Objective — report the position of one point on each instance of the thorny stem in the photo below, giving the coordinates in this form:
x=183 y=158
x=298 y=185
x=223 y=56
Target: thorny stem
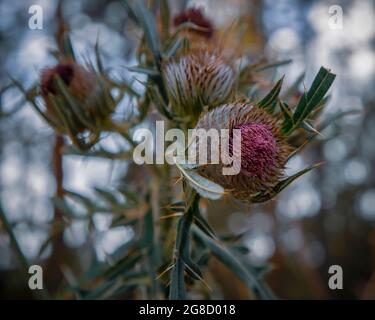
x=182 y=247
x=154 y=253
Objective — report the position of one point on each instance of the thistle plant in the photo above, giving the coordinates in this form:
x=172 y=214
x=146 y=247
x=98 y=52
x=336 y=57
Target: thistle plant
x=188 y=85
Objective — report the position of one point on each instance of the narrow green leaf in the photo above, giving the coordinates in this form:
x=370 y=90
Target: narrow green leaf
x=157 y=98
x=293 y=89
x=98 y=57
x=288 y=116
x=68 y=47
x=144 y=70
x=193 y=269
x=130 y=285
x=73 y=105
x=309 y=127
x=270 y=100
x=173 y=47
x=107 y=196
x=270 y=65
x=66 y=209
x=309 y=101
x=146 y=20
x=104 y=290
x=281 y=186
x=234 y=264
x=123 y=266
x=85 y=201
x=202 y=223
x=165 y=17
x=122 y=221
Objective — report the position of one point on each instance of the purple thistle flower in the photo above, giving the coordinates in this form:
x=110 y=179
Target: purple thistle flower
x=264 y=150
x=258 y=149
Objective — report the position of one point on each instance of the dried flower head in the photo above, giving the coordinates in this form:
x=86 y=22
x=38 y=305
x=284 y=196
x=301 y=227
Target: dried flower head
x=76 y=98
x=263 y=148
x=79 y=81
x=197 y=17
x=198 y=79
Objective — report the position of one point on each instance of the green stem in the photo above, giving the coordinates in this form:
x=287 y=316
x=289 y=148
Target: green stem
x=182 y=248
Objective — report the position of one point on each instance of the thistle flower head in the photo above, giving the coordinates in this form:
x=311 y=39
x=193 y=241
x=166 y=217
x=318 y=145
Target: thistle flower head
x=196 y=16
x=64 y=70
x=74 y=97
x=198 y=79
x=258 y=149
x=78 y=80
x=263 y=148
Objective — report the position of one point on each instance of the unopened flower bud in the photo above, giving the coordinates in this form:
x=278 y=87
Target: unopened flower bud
x=76 y=102
x=79 y=81
x=198 y=79
x=197 y=17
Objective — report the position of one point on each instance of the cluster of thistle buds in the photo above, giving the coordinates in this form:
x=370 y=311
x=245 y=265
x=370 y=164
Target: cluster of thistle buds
x=201 y=86
x=199 y=82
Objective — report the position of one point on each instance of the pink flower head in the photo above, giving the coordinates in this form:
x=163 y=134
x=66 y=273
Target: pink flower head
x=264 y=150
x=258 y=149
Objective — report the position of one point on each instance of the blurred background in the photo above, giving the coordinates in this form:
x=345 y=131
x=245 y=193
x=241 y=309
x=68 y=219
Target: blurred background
x=325 y=218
